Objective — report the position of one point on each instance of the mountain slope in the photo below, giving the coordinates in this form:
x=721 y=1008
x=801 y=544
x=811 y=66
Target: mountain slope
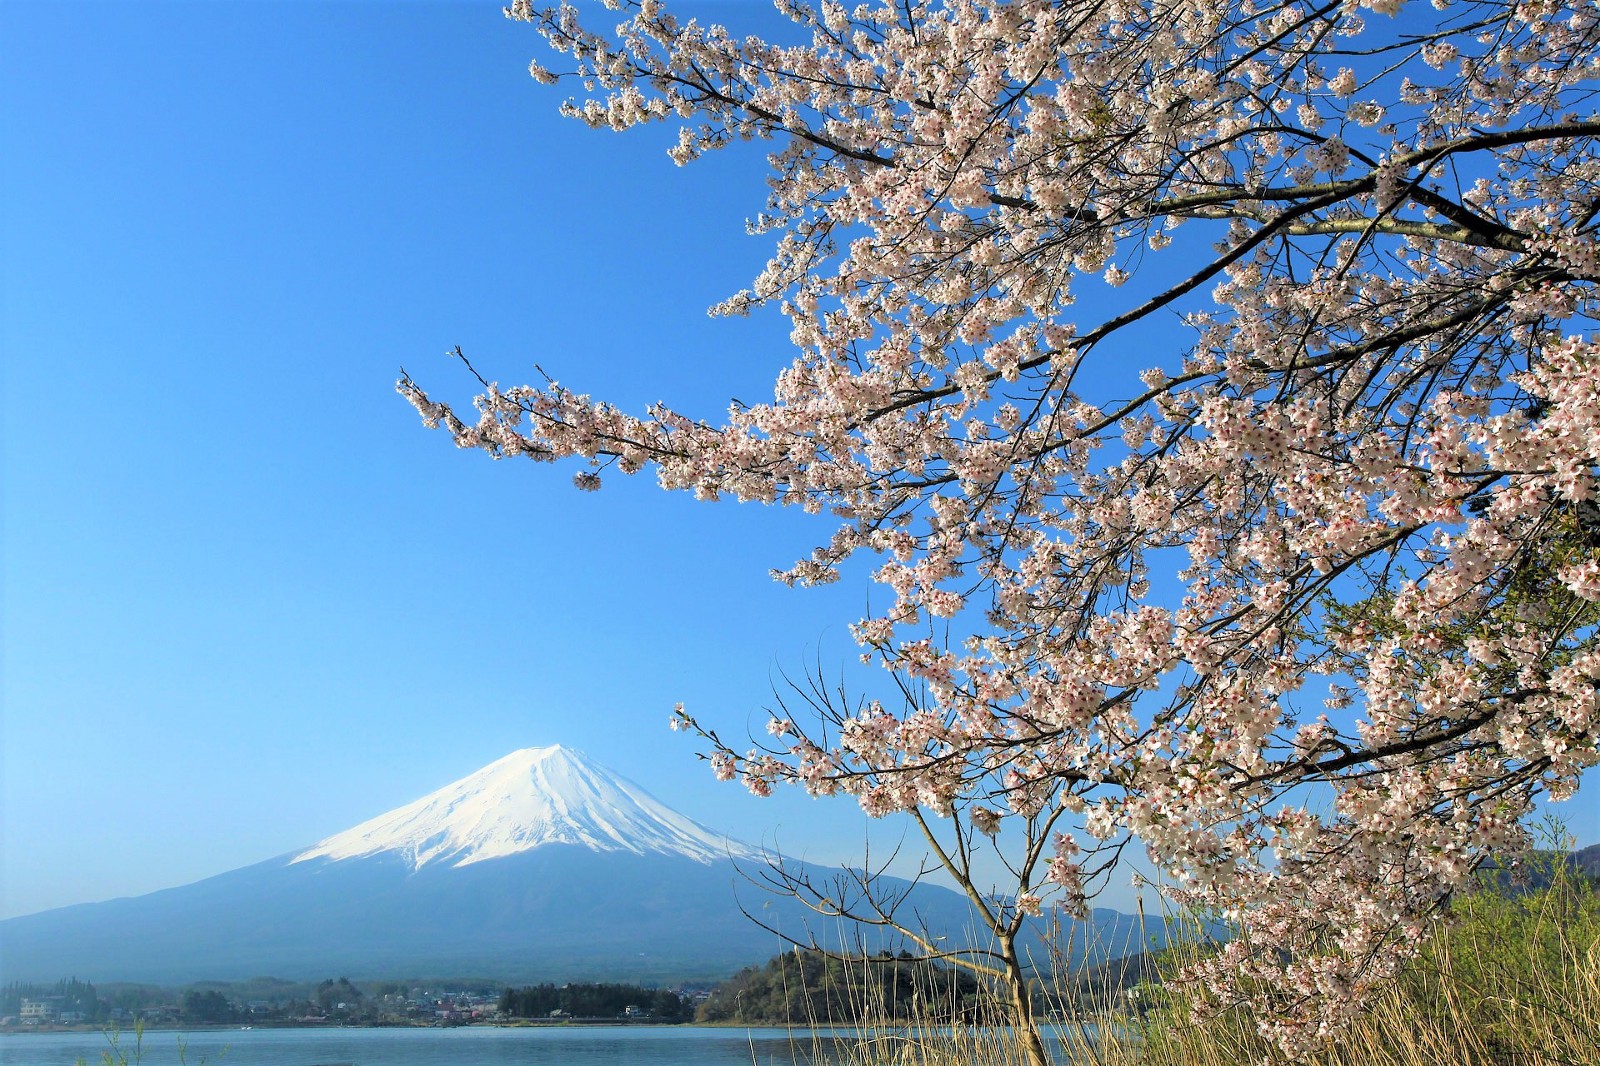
x=558 y=912
x=541 y=866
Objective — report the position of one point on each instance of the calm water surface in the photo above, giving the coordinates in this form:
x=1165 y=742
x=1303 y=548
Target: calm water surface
x=555 y=1046
x=534 y=1046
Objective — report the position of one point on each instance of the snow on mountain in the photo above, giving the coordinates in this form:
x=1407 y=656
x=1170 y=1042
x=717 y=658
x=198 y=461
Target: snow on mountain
x=462 y=882
x=530 y=798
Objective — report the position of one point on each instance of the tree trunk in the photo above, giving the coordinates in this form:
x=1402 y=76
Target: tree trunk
x=1021 y=1007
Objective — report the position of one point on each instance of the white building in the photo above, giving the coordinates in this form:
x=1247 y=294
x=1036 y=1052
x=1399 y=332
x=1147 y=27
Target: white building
x=40 y=1011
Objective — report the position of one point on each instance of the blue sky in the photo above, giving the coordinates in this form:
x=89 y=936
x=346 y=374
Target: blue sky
x=249 y=601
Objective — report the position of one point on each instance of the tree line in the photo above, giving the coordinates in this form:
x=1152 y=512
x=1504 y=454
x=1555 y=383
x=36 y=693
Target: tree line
x=803 y=987
x=595 y=1001
x=75 y=995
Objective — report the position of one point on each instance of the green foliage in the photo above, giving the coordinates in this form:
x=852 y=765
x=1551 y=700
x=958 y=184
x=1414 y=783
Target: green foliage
x=1530 y=592
x=594 y=1001
x=809 y=988
x=124 y=996
x=331 y=993
x=206 y=1007
x=1510 y=976
x=1514 y=960
x=1099 y=982
x=121 y=1052
x=73 y=995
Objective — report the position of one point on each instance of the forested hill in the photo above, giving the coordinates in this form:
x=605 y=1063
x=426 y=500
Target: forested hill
x=808 y=988
x=595 y=1001
x=70 y=994
x=1537 y=868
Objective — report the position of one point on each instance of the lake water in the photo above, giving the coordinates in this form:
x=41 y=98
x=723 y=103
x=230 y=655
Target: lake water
x=476 y=1046
x=567 y=1045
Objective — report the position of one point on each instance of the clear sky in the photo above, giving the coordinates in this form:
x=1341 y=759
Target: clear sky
x=249 y=600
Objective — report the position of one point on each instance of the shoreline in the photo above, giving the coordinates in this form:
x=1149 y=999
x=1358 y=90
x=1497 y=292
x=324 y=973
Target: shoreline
x=520 y=1023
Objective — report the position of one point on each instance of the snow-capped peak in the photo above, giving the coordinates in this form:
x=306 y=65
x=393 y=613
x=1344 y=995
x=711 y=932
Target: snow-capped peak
x=530 y=798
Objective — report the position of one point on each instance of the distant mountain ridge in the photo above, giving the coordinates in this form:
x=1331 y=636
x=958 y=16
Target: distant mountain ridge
x=540 y=866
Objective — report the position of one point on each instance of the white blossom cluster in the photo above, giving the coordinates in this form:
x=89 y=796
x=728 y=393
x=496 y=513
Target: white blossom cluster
x=1373 y=456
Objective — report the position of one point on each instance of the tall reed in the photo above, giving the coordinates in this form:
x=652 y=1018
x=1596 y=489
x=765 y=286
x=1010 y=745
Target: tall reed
x=1511 y=978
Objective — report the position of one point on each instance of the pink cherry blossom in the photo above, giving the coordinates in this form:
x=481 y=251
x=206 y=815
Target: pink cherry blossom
x=1342 y=445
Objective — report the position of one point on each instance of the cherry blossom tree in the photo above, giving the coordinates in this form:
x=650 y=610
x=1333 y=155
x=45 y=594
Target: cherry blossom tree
x=1181 y=367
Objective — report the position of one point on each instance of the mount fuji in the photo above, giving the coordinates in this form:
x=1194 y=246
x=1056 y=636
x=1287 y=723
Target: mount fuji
x=540 y=866
x=530 y=799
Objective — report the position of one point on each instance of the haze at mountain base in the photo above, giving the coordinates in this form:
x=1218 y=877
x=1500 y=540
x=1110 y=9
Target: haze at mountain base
x=541 y=866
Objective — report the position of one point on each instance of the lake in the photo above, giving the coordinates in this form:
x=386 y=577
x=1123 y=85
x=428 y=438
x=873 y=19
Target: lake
x=566 y=1045
x=476 y=1046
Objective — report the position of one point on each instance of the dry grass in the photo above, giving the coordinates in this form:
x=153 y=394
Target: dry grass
x=1512 y=980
